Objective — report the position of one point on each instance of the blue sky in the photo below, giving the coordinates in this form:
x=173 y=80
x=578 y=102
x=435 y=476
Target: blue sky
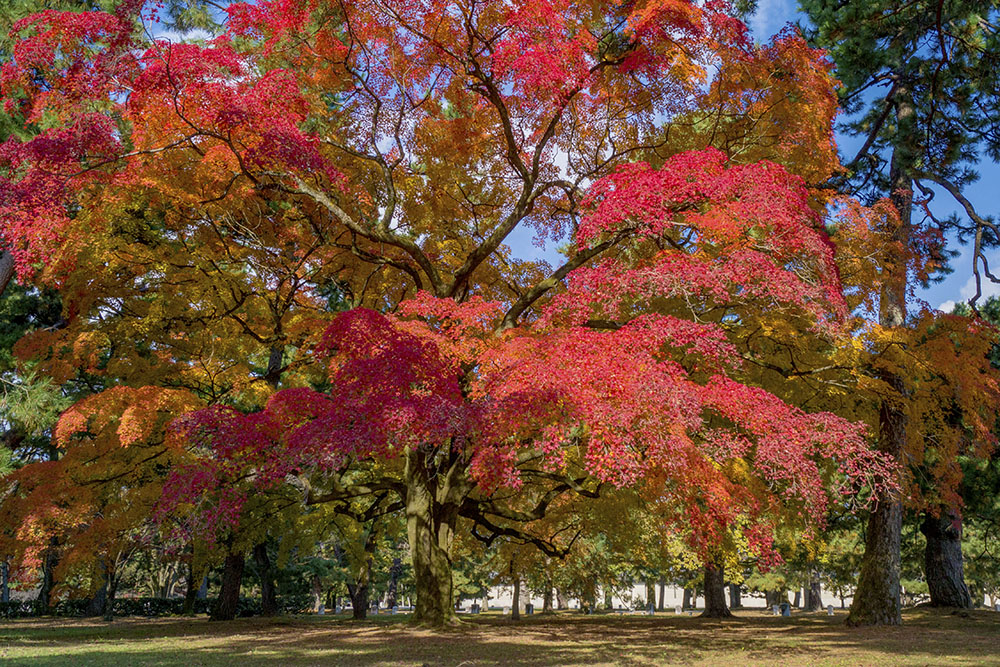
x=771 y=16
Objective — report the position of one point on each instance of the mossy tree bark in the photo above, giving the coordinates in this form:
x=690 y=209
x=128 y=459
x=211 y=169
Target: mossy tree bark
x=436 y=485
x=943 y=566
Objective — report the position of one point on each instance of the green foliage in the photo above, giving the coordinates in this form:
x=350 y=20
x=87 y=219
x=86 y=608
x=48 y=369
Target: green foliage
x=920 y=89
x=31 y=403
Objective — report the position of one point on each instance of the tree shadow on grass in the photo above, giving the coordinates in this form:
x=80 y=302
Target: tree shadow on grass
x=750 y=638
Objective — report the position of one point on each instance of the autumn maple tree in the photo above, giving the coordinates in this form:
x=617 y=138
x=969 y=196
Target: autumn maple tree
x=208 y=199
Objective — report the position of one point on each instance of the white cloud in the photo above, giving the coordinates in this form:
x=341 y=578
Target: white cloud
x=968 y=290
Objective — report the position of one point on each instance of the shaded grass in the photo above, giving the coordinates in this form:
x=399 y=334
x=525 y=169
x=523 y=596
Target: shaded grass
x=927 y=637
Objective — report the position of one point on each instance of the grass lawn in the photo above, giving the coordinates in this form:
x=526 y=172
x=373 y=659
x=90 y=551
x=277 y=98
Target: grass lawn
x=927 y=637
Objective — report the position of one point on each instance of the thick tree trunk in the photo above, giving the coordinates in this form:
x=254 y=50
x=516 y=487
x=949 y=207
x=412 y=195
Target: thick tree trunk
x=268 y=597
x=943 y=560
x=650 y=594
x=359 y=589
x=663 y=594
x=547 y=597
x=686 y=602
x=229 y=596
x=797 y=602
x=876 y=600
x=98 y=603
x=734 y=597
x=715 y=593
x=359 y=595
x=814 y=594
x=435 y=487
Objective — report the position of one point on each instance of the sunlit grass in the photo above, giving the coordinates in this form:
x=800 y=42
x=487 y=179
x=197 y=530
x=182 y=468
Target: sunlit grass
x=927 y=637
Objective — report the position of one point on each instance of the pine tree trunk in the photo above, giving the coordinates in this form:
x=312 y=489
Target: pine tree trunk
x=877 y=598
x=229 y=596
x=435 y=487
x=734 y=597
x=715 y=593
x=268 y=597
x=943 y=566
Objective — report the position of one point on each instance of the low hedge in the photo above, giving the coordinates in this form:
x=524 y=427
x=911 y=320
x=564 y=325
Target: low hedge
x=153 y=607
